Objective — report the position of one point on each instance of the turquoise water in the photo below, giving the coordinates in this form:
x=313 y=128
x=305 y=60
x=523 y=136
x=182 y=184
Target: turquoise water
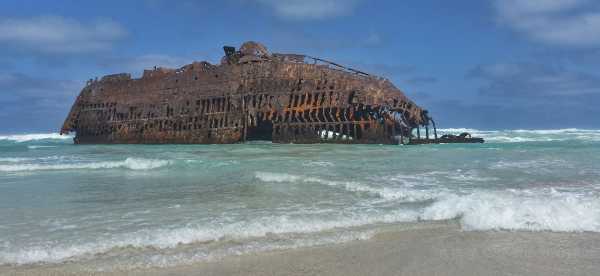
x=129 y=206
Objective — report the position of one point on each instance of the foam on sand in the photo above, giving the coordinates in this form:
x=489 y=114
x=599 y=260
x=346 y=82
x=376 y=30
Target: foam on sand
x=170 y=238
x=539 y=210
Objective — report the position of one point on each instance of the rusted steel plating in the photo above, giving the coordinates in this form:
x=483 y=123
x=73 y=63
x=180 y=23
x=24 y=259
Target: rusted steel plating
x=251 y=95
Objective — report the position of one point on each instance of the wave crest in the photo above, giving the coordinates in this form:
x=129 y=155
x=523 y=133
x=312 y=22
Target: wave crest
x=171 y=238
x=519 y=210
x=34 y=137
x=525 y=135
x=129 y=163
x=388 y=193
x=531 y=210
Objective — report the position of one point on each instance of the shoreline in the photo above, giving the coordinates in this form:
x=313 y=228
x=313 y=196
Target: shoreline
x=438 y=248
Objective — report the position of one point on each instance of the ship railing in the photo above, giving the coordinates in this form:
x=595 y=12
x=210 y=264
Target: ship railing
x=338 y=66
x=315 y=60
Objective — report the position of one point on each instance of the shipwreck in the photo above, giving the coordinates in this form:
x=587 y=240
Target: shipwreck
x=251 y=95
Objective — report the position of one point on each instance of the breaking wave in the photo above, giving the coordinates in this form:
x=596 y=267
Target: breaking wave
x=32 y=159
x=129 y=163
x=531 y=210
x=15 y=159
x=498 y=136
x=34 y=137
x=388 y=193
x=480 y=210
x=40 y=147
x=171 y=238
x=523 y=135
x=519 y=210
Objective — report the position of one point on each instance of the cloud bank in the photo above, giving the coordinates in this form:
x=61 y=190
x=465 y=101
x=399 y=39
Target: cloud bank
x=136 y=65
x=310 y=9
x=526 y=80
x=59 y=35
x=39 y=102
x=568 y=23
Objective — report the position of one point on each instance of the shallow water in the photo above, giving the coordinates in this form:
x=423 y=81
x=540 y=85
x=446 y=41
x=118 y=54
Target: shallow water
x=129 y=206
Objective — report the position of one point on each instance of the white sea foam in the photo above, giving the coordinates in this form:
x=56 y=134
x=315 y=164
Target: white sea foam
x=171 y=238
x=540 y=209
x=461 y=130
x=533 y=166
x=201 y=253
x=531 y=210
x=523 y=135
x=35 y=136
x=14 y=159
x=318 y=164
x=30 y=159
x=129 y=163
x=39 y=147
x=519 y=210
x=388 y=193
x=553 y=131
x=518 y=139
x=526 y=131
x=434 y=178
x=470 y=177
x=276 y=177
x=499 y=136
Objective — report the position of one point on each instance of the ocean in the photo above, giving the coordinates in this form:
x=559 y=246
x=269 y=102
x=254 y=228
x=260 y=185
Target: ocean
x=120 y=207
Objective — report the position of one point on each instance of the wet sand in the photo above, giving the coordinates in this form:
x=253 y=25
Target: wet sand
x=433 y=249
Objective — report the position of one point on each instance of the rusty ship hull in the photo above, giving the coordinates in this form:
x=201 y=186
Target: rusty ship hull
x=251 y=95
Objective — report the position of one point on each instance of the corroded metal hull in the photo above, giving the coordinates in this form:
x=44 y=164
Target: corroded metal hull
x=251 y=95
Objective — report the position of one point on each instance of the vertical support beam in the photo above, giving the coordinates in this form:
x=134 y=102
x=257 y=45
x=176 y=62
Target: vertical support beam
x=244 y=119
x=401 y=137
x=349 y=128
x=434 y=129
x=427 y=131
x=418 y=132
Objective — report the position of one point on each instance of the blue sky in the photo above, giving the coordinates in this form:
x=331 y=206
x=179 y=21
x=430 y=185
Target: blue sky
x=493 y=64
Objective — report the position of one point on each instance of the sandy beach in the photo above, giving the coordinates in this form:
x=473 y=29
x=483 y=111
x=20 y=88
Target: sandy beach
x=420 y=249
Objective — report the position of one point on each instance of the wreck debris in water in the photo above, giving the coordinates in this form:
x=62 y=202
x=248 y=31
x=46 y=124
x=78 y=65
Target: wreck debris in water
x=251 y=95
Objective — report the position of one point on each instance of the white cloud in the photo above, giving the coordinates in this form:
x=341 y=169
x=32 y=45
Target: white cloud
x=29 y=102
x=534 y=80
x=23 y=86
x=573 y=23
x=136 y=65
x=149 y=61
x=310 y=9
x=536 y=6
x=55 y=34
x=373 y=39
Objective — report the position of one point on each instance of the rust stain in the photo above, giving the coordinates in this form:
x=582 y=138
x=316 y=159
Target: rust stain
x=251 y=95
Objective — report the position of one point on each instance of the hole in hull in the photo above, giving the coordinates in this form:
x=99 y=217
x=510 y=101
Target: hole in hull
x=263 y=131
